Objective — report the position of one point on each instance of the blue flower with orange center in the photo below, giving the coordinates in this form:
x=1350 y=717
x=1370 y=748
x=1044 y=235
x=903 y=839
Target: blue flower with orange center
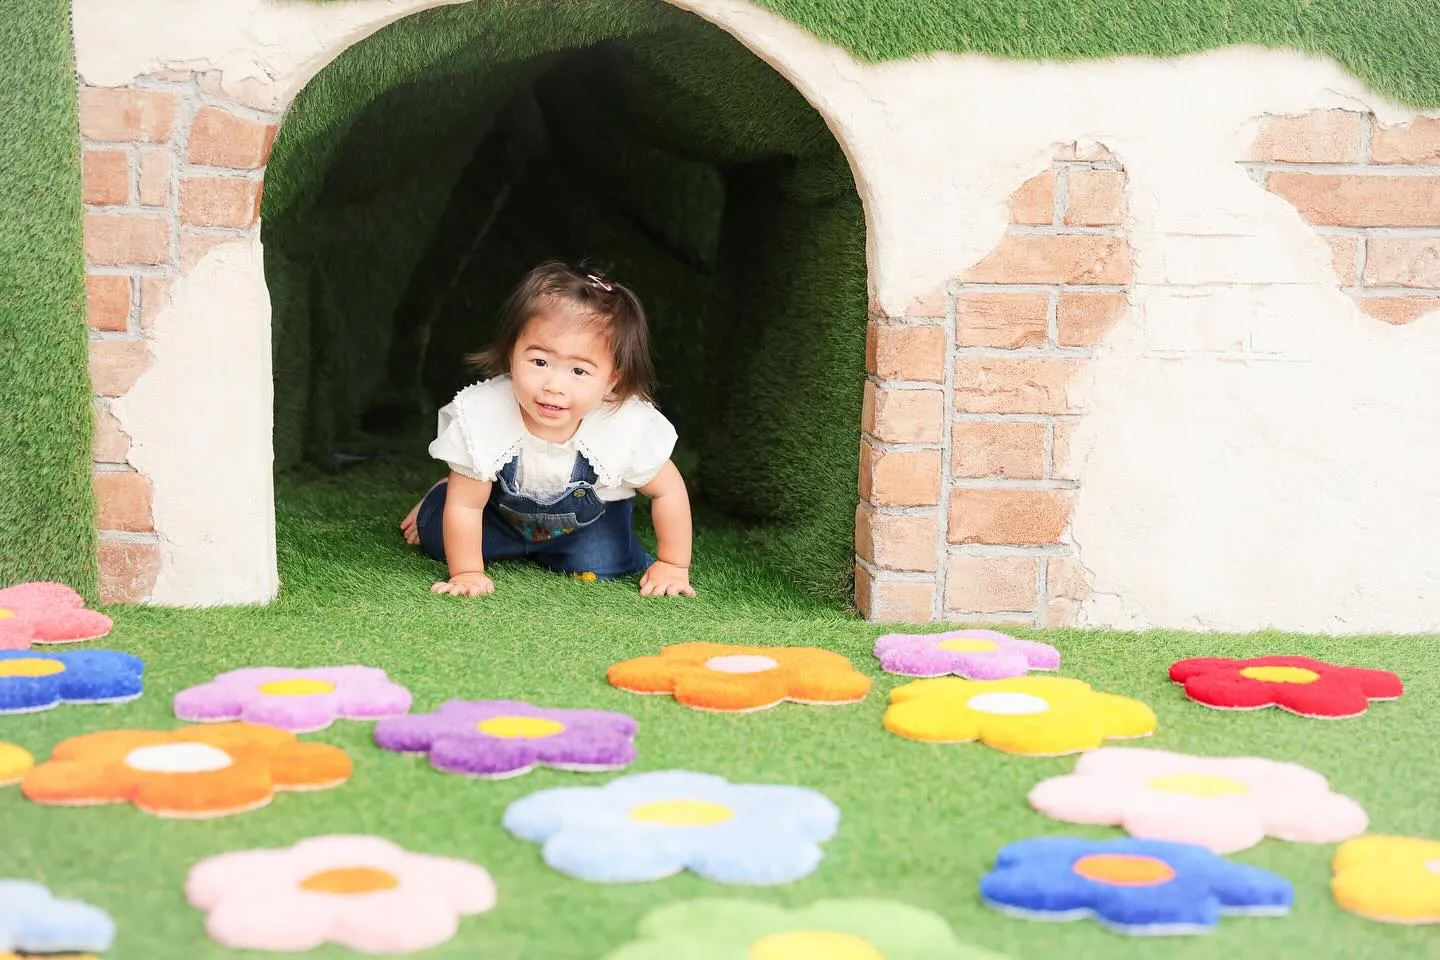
x=1130 y=886
x=32 y=681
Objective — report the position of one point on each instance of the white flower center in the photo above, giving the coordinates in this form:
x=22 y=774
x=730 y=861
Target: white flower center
x=1007 y=704
x=740 y=663
x=178 y=758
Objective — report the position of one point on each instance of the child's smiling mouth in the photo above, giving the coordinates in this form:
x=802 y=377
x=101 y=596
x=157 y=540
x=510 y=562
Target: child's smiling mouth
x=549 y=409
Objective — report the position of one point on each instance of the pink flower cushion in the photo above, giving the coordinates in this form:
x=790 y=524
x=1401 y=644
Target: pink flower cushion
x=361 y=892
x=296 y=699
x=974 y=654
x=1222 y=803
x=46 y=613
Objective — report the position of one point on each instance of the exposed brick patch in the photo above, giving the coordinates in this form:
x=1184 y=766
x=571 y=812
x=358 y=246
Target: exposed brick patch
x=1055 y=259
x=1344 y=255
x=1001 y=319
x=154 y=294
x=219 y=138
x=1034 y=202
x=122 y=114
x=893 y=601
x=232 y=202
x=1325 y=136
x=905 y=352
x=896 y=541
x=107 y=302
x=903 y=416
x=1021 y=384
x=1024 y=516
x=990 y=584
x=1003 y=449
x=156 y=172
x=1361 y=200
x=122 y=501
x=111 y=444
x=1066 y=588
x=105 y=177
x=115 y=365
x=899 y=478
x=128 y=570
x=1399 y=310
x=194 y=244
x=122 y=239
x=1402 y=262
x=1096 y=198
x=1083 y=318
x=1416 y=142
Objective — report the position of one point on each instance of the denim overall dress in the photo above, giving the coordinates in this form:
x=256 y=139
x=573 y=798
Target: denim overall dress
x=572 y=532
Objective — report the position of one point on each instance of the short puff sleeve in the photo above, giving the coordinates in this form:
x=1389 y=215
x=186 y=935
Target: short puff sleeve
x=652 y=442
x=449 y=445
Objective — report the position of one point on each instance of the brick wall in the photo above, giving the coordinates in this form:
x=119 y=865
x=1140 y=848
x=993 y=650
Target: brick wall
x=965 y=483
x=169 y=169
x=1372 y=192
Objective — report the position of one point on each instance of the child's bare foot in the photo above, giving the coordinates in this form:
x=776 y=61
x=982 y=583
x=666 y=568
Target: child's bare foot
x=408 y=529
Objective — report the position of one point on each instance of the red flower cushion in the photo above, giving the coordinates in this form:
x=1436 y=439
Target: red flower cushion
x=1311 y=688
x=46 y=613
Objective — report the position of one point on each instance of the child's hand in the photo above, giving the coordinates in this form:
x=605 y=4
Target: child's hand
x=465 y=585
x=666 y=580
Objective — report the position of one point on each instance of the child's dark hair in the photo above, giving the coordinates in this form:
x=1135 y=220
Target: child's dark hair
x=593 y=294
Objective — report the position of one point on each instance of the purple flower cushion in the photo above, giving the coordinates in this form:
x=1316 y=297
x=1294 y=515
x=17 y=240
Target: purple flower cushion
x=299 y=700
x=973 y=654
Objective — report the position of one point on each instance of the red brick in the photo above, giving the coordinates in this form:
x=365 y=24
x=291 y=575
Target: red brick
x=1009 y=515
x=107 y=302
x=896 y=541
x=155 y=168
x=1015 y=384
x=1398 y=310
x=128 y=570
x=1402 y=262
x=1055 y=258
x=111 y=444
x=1006 y=320
x=991 y=584
x=1082 y=319
x=115 y=365
x=219 y=202
x=154 y=294
x=1034 y=202
x=122 y=501
x=105 y=177
x=195 y=244
x=905 y=352
x=1343 y=253
x=1010 y=449
x=1324 y=136
x=1351 y=200
x=218 y=138
x=1414 y=142
x=121 y=115
x=905 y=478
x=1095 y=198
x=893 y=601
x=903 y=416
x=1061 y=468
x=118 y=239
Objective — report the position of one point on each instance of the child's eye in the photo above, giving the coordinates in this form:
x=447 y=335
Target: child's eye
x=538 y=362
x=580 y=372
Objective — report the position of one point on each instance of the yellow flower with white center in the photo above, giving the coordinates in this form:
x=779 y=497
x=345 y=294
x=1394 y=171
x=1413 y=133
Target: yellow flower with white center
x=1036 y=716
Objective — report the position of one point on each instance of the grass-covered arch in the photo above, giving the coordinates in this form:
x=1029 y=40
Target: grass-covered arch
x=426 y=168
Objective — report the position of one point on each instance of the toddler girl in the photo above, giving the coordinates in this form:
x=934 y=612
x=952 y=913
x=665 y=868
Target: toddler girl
x=546 y=455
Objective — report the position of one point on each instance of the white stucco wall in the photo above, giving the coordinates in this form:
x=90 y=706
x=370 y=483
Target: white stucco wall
x=1258 y=453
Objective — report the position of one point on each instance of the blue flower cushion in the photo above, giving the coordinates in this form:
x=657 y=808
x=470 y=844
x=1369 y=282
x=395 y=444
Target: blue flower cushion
x=31 y=681
x=1130 y=886
x=34 y=921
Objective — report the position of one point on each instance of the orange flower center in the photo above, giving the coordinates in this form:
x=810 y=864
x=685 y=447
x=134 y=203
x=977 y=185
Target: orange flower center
x=296 y=688
x=1124 y=870
x=350 y=880
x=682 y=813
x=740 y=663
x=30 y=667
x=1280 y=674
x=6 y=614
x=1198 y=785
x=813 y=945
x=968 y=646
x=520 y=728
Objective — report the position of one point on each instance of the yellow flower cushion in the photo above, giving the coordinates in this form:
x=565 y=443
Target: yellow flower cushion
x=1035 y=716
x=1390 y=879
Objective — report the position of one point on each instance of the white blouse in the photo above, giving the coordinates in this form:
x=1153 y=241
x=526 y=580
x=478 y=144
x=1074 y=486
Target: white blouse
x=481 y=430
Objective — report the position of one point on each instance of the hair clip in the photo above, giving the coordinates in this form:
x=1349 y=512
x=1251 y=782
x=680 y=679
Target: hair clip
x=599 y=283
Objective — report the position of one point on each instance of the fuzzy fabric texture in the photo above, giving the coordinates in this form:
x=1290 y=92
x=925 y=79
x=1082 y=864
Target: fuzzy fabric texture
x=190 y=773
x=1222 y=803
x=973 y=654
x=732 y=679
x=31 y=681
x=1130 y=886
x=15 y=762
x=33 y=920
x=506 y=738
x=649 y=826
x=298 y=700
x=1301 y=685
x=861 y=929
x=45 y=612
x=1037 y=716
x=1387 y=878
x=361 y=892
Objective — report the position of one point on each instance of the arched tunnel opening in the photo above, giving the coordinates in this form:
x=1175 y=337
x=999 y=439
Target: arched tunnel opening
x=419 y=175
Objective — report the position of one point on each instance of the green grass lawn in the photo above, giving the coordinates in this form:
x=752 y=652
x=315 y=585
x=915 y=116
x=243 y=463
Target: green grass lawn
x=920 y=823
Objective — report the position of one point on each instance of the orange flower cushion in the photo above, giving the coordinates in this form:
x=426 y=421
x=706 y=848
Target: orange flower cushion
x=731 y=679
x=193 y=772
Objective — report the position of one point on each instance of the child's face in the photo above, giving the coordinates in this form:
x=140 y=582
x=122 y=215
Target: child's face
x=561 y=370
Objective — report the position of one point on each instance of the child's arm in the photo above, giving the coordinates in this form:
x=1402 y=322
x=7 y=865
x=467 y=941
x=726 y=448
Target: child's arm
x=669 y=575
x=464 y=525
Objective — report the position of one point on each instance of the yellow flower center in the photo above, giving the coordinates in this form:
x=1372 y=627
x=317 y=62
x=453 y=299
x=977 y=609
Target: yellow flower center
x=968 y=646
x=1007 y=704
x=1198 y=785
x=1280 y=674
x=30 y=667
x=813 y=945
x=178 y=758
x=296 y=688
x=350 y=880
x=682 y=813
x=741 y=663
x=520 y=728
x=1124 y=870
x=6 y=614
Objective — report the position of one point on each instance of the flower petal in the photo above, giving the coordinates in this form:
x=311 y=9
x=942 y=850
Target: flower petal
x=480 y=756
x=1081 y=799
x=275 y=919
x=211 y=793
x=397 y=921
x=44 y=594
x=1377 y=684
x=16 y=633
x=78 y=783
x=1330 y=695
x=208 y=703
x=1227 y=689
x=373 y=700
x=1241 y=888
x=643 y=675
x=1224 y=824
x=798 y=810
x=35 y=921
x=304 y=714
x=756 y=856
x=71 y=626
x=932 y=720
x=623 y=853
x=309 y=766
x=1183 y=670
x=1320 y=817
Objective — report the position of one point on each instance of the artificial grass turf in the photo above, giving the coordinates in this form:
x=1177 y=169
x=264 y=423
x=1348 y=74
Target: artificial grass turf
x=920 y=823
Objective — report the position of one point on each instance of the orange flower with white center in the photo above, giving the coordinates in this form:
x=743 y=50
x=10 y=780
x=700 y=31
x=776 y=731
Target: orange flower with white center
x=732 y=679
x=192 y=773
